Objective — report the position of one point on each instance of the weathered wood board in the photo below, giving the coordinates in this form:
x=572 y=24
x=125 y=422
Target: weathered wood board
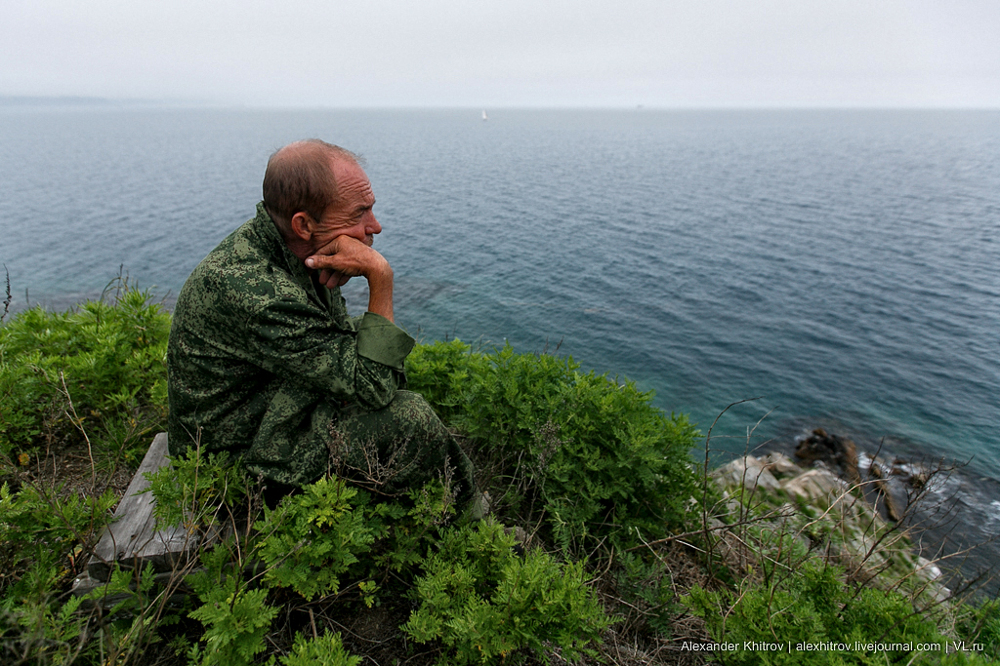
x=131 y=539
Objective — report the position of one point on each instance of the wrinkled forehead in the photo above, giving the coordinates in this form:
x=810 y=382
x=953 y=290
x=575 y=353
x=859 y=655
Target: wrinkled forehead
x=352 y=181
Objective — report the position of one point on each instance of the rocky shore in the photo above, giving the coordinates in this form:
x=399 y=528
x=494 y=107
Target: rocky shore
x=950 y=510
x=859 y=510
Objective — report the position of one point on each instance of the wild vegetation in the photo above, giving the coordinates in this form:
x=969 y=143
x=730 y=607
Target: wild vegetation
x=626 y=554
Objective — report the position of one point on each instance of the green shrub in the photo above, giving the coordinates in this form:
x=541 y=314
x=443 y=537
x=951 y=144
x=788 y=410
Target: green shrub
x=43 y=634
x=595 y=455
x=108 y=358
x=325 y=650
x=39 y=532
x=979 y=623
x=811 y=604
x=443 y=373
x=484 y=603
x=43 y=541
x=586 y=459
x=476 y=597
x=193 y=488
x=93 y=376
x=411 y=528
x=646 y=585
x=236 y=620
x=314 y=537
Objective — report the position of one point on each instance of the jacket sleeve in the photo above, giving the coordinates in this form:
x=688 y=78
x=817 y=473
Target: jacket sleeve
x=296 y=341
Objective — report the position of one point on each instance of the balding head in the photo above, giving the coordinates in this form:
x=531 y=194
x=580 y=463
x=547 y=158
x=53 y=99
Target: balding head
x=299 y=178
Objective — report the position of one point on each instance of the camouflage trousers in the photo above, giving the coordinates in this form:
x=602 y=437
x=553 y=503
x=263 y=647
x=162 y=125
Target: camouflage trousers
x=399 y=448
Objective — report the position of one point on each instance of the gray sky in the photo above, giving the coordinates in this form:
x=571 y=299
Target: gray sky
x=495 y=53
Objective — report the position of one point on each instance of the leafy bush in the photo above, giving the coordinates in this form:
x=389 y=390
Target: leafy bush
x=107 y=358
x=594 y=454
x=314 y=537
x=97 y=374
x=42 y=634
x=39 y=532
x=93 y=376
x=980 y=623
x=588 y=460
x=814 y=605
x=194 y=487
x=645 y=584
x=236 y=620
x=325 y=650
x=483 y=602
x=477 y=598
x=43 y=538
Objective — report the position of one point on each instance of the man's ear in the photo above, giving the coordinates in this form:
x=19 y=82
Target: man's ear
x=301 y=226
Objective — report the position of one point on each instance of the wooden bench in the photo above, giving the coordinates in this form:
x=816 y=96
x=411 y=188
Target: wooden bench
x=131 y=539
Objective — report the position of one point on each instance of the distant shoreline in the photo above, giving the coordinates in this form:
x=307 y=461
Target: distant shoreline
x=88 y=102
x=69 y=100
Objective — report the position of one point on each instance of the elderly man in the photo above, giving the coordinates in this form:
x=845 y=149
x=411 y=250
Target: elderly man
x=264 y=363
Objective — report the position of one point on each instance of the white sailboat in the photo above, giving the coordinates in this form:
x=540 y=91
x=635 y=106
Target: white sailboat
x=485 y=117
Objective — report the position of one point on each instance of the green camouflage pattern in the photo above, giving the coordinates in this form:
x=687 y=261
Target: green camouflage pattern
x=398 y=448
x=261 y=361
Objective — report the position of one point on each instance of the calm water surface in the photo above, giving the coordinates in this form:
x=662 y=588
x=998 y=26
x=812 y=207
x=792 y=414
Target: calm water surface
x=842 y=265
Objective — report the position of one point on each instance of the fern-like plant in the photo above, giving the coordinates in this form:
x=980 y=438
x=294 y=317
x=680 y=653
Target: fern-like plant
x=484 y=604
x=312 y=538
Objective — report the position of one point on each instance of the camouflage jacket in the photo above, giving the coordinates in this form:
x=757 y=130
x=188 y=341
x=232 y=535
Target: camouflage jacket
x=261 y=360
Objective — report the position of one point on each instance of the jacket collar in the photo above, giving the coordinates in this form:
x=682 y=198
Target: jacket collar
x=274 y=244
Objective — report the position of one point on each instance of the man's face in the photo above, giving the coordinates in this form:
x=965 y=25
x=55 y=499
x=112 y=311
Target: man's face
x=352 y=214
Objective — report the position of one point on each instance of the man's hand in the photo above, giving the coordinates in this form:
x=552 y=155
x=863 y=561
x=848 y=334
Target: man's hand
x=345 y=257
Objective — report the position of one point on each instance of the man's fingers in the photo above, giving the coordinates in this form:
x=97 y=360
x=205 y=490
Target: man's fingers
x=336 y=280
x=320 y=261
x=330 y=278
x=338 y=244
x=345 y=257
x=339 y=257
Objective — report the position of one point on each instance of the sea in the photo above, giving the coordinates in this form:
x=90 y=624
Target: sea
x=766 y=272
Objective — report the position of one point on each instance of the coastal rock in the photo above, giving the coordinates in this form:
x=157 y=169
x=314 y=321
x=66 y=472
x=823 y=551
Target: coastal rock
x=831 y=449
x=748 y=472
x=928 y=569
x=828 y=510
x=780 y=465
x=884 y=492
x=814 y=485
x=914 y=475
x=919 y=480
x=933 y=579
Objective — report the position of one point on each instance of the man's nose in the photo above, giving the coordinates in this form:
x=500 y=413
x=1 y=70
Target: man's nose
x=372 y=226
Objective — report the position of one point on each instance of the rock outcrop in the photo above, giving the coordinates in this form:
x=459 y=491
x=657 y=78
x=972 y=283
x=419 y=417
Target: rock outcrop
x=882 y=484
x=749 y=472
x=840 y=453
x=824 y=510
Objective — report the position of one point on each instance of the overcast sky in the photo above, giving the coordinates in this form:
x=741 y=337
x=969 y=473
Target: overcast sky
x=497 y=53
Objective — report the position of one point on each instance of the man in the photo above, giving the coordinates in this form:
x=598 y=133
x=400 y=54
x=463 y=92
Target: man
x=264 y=363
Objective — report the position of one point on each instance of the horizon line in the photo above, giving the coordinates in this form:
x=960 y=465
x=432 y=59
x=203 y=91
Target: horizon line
x=91 y=101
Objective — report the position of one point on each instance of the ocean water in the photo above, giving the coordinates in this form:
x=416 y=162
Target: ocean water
x=841 y=266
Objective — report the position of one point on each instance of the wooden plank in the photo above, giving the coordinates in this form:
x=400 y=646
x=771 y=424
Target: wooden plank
x=131 y=538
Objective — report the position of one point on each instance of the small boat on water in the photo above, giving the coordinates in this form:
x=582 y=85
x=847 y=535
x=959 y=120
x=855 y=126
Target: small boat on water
x=485 y=117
